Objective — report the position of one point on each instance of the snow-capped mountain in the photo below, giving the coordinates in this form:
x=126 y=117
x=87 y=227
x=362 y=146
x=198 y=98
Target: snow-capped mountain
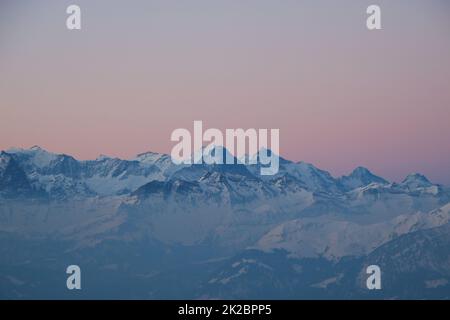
x=360 y=177
x=334 y=238
x=414 y=265
x=62 y=176
x=306 y=175
x=301 y=218
x=152 y=185
x=107 y=176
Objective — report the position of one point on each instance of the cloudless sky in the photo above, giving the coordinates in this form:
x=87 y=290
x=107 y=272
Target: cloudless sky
x=342 y=96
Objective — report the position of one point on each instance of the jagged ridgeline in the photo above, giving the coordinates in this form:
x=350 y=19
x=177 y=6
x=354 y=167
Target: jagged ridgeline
x=147 y=228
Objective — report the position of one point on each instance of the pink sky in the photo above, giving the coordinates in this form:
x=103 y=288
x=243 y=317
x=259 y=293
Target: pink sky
x=341 y=96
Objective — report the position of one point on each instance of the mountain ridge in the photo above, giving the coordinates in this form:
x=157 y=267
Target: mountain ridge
x=301 y=227
x=127 y=175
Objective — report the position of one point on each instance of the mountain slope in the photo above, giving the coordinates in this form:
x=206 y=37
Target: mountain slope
x=13 y=180
x=360 y=177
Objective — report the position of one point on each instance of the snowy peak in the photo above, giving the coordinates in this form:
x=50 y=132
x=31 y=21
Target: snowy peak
x=416 y=180
x=36 y=148
x=313 y=178
x=35 y=156
x=267 y=153
x=360 y=177
x=361 y=172
x=149 y=157
x=214 y=151
x=161 y=161
x=113 y=176
x=102 y=157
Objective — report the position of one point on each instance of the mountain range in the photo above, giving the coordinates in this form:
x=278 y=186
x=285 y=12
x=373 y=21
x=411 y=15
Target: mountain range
x=147 y=228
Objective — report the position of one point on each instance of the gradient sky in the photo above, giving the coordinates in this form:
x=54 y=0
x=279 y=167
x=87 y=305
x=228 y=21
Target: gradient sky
x=342 y=96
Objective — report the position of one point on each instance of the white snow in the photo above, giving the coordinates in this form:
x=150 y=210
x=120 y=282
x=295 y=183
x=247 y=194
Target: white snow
x=334 y=238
